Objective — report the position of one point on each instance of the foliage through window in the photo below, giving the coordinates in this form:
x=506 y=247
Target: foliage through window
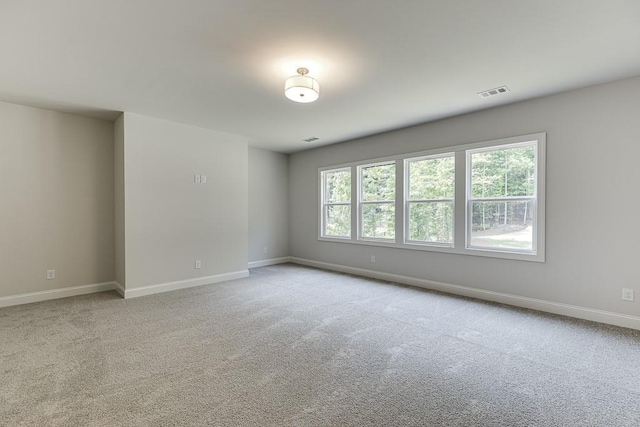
x=336 y=209
x=503 y=184
x=377 y=201
x=500 y=213
x=430 y=196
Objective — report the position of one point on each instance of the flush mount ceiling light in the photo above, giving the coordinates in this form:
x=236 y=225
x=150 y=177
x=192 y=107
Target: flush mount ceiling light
x=302 y=88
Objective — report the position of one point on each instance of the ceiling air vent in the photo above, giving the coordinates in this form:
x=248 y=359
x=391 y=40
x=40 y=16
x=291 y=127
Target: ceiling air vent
x=312 y=139
x=493 y=92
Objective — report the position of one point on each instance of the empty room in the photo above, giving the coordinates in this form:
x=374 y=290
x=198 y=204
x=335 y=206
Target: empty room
x=330 y=213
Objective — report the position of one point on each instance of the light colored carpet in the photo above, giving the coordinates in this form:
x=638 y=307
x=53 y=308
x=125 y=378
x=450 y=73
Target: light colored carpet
x=295 y=346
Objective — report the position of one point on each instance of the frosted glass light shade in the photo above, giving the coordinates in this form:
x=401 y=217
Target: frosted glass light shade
x=302 y=88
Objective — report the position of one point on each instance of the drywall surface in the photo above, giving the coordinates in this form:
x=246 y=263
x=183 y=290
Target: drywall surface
x=56 y=200
x=172 y=221
x=591 y=197
x=119 y=179
x=268 y=205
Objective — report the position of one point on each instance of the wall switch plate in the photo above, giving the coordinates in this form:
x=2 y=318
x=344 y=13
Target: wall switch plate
x=197 y=264
x=196 y=178
x=51 y=274
x=373 y=258
x=203 y=179
x=627 y=294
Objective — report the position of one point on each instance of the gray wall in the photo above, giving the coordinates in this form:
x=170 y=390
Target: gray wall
x=119 y=179
x=592 y=203
x=268 y=205
x=170 y=220
x=56 y=199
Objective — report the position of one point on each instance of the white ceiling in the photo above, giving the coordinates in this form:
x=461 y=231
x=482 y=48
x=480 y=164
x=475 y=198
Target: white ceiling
x=381 y=64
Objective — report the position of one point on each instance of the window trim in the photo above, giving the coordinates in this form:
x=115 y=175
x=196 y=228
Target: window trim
x=460 y=202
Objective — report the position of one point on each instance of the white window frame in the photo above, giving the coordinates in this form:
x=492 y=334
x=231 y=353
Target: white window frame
x=325 y=204
x=461 y=203
x=407 y=201
x=361 y=203
x=470 y=199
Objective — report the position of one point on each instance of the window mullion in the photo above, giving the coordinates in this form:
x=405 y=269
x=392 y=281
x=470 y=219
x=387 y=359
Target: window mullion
x=460 y=201
x=502 y=199
x=430 y=200
x=355 y=205
x=399 y=202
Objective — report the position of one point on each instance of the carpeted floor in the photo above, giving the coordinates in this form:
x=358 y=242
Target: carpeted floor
x=295 y=346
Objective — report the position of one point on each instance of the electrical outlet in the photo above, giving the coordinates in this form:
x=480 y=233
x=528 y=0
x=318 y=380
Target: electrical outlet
x=196 y=178
x=197 y=264
x=373 y=258
x=627 y=294
x=264 y=250
x=51 y=274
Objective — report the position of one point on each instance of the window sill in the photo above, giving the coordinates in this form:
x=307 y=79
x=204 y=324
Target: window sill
x=486 y=253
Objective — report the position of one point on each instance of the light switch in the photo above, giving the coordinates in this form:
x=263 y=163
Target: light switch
x=196 y=178
x=203 y=179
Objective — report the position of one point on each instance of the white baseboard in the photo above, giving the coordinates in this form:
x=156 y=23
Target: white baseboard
x=272 y=261
x=119 y=288
x=585 y=313
x=183 y=284
x=56 y=293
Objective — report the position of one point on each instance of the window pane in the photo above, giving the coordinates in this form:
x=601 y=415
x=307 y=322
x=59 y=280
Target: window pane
x=431 y=222
x=378 y=221
x=337 y=186
x=337 y=221
x=432 y=178
x=378 y=183
x=502 y=225
x=503 y=172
